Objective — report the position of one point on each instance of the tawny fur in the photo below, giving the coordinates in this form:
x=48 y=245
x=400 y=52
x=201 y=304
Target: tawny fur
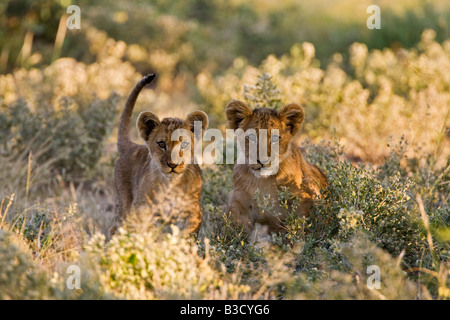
x=303 y=179
x=144 y=180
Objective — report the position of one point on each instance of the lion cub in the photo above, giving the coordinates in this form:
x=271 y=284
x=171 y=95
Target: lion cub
x=292 y=170
x=147 y=178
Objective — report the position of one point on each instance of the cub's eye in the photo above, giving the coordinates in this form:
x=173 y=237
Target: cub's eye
x=184 y=145
x=275 y=139
x=252 y=137
x=161 y=144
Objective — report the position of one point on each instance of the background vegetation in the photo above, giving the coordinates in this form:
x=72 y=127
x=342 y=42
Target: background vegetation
x=377 y=122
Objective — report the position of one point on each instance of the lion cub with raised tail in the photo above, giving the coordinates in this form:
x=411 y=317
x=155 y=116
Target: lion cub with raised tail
x=283 y=166
x=156 y=179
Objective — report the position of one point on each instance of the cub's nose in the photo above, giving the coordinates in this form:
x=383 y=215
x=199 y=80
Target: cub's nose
x=171 y=164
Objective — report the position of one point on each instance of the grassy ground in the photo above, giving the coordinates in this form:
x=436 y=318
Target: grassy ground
x=377 y=122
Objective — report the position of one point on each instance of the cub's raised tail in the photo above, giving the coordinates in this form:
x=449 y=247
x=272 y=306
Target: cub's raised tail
x=123 y=140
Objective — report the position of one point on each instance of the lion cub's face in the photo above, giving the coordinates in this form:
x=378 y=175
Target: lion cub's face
x=171 y=156
x=287 y=121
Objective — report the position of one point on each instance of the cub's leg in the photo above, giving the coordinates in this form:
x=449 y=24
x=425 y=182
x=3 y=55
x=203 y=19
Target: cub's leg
x=240 y=211
x=117 y=213
x=123 y=203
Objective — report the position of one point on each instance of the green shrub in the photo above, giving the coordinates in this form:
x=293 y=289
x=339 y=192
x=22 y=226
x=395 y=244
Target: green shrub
x=358 y=198
x=72 y=138
x=152 y=266
x=345 y=274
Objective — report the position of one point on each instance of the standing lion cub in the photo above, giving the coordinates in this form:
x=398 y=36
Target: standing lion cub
x=292 y=170
x=147 y=178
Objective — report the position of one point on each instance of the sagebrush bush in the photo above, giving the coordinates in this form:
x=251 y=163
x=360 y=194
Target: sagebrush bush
x=153 y=266
x=69 y=137
x=349 y=279
x=358 y=198
x=20 y=278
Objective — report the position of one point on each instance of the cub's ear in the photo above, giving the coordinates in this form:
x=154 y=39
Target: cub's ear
x=146 y=122
x=292 y=115
x=236 y=112
x=197 y=115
